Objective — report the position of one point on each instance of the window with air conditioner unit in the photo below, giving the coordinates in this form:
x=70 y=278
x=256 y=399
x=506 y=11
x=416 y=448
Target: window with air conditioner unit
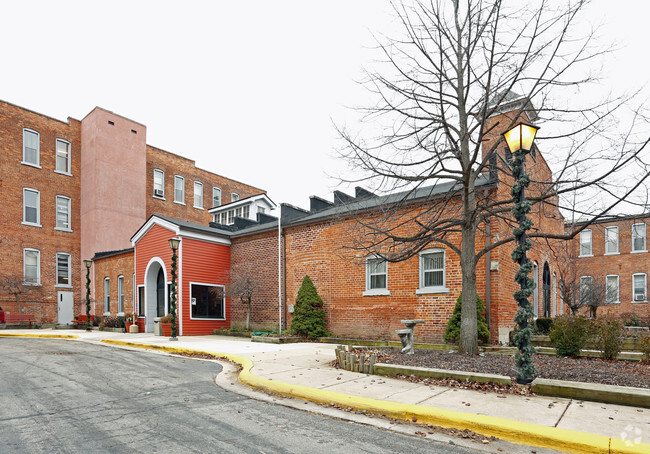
x=158 y=183
x=639 y=283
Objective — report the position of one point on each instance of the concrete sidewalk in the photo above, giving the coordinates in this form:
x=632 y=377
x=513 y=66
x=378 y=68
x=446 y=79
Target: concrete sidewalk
x=303 y=370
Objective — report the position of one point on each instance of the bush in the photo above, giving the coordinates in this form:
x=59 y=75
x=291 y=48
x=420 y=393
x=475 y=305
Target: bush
x=609 y=337
x=166 y=318
x=308 y=315
x=644 y=344
x=111 y=321
x=452 y=334
x=569 y=334
x=631 y=319
x=543 y=326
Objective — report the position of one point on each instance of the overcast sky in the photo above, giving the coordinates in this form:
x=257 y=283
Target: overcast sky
x=248 y=89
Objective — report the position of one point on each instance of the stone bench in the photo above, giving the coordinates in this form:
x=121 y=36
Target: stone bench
x=406 y=335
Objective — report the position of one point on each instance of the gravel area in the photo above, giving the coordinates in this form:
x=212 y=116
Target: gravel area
x=589 y=370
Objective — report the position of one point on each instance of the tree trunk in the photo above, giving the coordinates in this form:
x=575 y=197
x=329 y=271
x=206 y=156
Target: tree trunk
x=20 y=309
x=468 y=325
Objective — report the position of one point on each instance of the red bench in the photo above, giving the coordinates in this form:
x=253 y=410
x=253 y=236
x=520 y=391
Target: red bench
x=82 y=320
x=20 y=318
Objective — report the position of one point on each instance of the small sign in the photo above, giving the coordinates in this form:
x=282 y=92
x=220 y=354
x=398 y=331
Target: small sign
x=193 y=301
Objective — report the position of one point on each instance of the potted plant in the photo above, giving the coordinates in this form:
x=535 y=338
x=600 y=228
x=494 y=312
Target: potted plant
x=166 y=325
x=128 y=321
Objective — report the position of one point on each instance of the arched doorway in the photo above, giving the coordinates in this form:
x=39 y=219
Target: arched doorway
x=155 y=294
x=546 y=286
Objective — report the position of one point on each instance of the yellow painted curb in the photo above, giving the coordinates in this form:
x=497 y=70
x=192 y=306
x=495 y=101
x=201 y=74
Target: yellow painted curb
x=48 y=336
x=505 y=429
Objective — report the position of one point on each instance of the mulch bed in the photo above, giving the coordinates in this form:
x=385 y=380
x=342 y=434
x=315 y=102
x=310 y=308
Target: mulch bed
x=589 y=370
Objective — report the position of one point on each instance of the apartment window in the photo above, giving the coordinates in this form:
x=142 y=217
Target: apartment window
x=238 y=212
x=32 y=266
x=234 y=196
x=639 y=281
x=63 y=269
x=198 y=195
x=230 y=217
x=179 y=189
x=62 y=156
x=585 y=290
x=31 y=207
x=611 y=240
x=638 y=238
x=376 y=276
x=158 y=183
x=432 y=270
x=141 y=301
x=107 y=296
x=585 y=243
x=611 y=295
x=207 y=301
x=120 y=294
x=31 y=147
x=216 y=197
x=246 y=211
x=62 y=212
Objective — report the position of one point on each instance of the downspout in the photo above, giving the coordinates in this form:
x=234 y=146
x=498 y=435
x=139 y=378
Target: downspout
x=488 y=273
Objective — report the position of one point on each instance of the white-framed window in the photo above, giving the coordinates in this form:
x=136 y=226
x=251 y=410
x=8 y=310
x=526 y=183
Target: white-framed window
x=63 y=213
x=246 y=211
x=207 y=301
x=536 y=290
x=376 y=276
x=234 y=197
x=585 y=289
x=31 y=207
x=639 y=238
x=432 y=272
x=585 y=243
x=141 y=306
x=63 y=270
x=198 y=194
x=230 y=217
x=158 y=183
x=554 y=309
x=261 y=210
x=31 y=148
x=179 y=189
x=107 y=296
x=639 y=284
x=611 y=240
x=32 y=266
x=611 y=295
x=134 y=296
x=216 y=197
x=120 y=294
x=62 y=156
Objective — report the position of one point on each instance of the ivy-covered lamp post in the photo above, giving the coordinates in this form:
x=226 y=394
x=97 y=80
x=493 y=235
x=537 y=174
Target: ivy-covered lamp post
x=173 y=243
x=520 y=141
x=88 y=264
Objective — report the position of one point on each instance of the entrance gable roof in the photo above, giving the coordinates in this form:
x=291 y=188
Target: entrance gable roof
x=183 y=229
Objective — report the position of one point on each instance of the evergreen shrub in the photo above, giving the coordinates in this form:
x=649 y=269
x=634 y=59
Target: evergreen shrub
x=308 y=314
x=609 y=337
x=452 y=334
x=543 y=326
x=569 y=334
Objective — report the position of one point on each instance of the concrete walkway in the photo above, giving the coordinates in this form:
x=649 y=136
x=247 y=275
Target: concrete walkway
x=303 y=370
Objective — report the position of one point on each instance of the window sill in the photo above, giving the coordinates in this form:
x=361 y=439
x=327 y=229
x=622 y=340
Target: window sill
x=61 y=229
x=106 y=314
x=37 y=166
x=638 y=252
x=31 y=224
x=62 y=286
x=431 y=290
x=120 y=314
x=32 y=284
x=198 y=208
x=612 y=253
x=613 y=302
x=180 y=203
x=207 y=318
x=61 y=172
x=581 y=256
x=639 y=302
x=159 y=198
x=376 y=292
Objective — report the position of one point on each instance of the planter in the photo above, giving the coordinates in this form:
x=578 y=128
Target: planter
x=166 y=329
x=127 y=326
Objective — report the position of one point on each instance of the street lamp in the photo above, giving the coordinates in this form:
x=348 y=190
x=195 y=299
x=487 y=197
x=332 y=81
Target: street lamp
x=520 y=141
x=88 y=264
x=173 y=243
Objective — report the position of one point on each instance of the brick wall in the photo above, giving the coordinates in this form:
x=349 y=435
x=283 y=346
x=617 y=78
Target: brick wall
x=173 y=165
x=14 y=236
x=112 y=267
x=622 y=264
x=256 y=256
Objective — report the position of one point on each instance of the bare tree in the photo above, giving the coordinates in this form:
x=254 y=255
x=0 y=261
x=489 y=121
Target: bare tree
x=445 y=92
x=242 y=286
x=19 y=290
